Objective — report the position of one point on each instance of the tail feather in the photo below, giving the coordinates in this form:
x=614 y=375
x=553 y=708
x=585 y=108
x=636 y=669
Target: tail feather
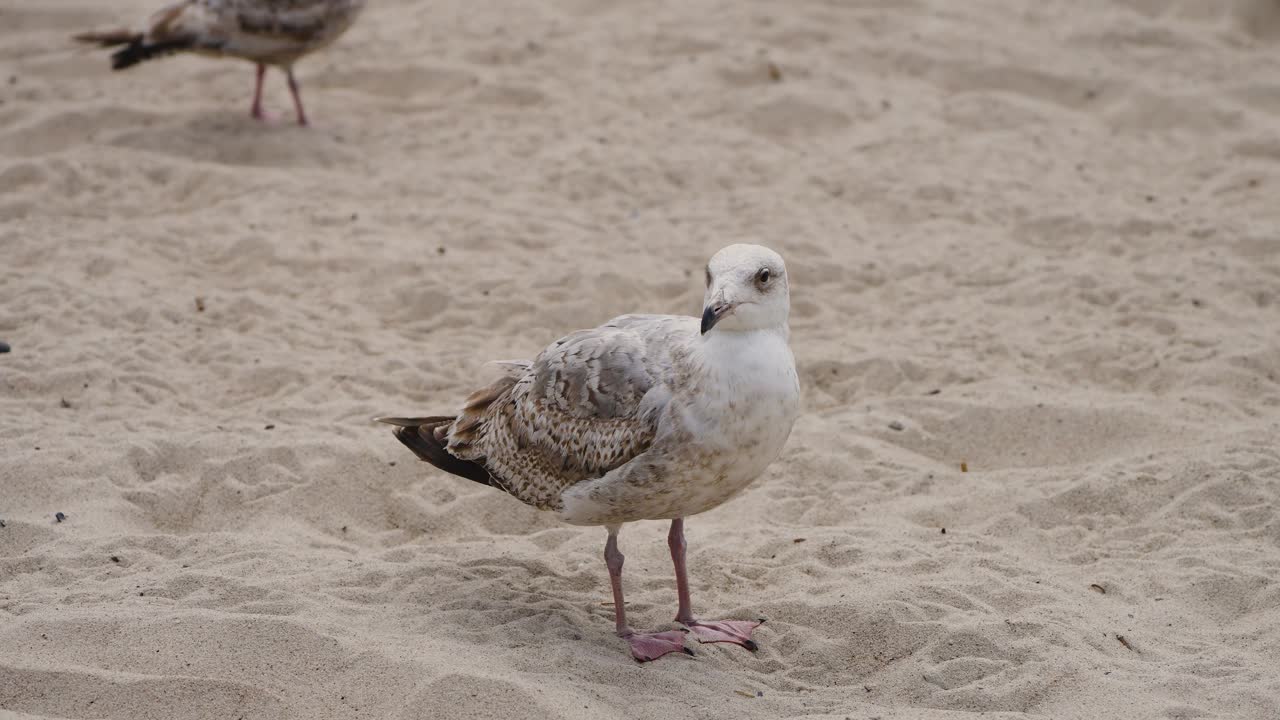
x=425 y=437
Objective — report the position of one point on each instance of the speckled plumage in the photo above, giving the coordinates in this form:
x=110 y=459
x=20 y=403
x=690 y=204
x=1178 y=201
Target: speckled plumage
x=575 y=413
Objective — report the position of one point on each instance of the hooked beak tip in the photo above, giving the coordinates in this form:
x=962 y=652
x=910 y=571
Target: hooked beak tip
x=712 y=314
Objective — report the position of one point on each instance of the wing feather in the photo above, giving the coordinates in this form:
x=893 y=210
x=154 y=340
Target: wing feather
x=586 y=405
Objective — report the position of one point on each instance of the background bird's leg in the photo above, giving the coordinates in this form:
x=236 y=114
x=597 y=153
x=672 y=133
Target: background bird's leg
x=644 y=646
x=710 y=631
x=297 y=98
x=256 y=110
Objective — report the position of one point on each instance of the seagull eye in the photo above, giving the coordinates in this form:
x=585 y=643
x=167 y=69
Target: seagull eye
x=763 y=276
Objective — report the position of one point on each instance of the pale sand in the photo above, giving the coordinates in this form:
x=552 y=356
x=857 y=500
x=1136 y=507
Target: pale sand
x=1061 y=216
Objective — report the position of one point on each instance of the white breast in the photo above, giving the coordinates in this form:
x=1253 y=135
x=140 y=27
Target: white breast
x=745 y=409
x=721 y=428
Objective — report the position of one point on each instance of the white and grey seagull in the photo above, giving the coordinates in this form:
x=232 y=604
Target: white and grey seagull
x=647 y=417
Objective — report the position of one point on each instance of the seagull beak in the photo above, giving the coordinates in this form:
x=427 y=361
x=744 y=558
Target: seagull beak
x=712 y=314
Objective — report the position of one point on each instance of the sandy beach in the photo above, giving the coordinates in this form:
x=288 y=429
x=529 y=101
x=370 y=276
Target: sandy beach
x=1034 y=252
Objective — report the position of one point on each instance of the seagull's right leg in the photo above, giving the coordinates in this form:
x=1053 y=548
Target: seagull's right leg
x=256 y=110
x=644 y=646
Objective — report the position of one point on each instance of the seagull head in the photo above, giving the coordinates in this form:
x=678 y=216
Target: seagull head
x=747 y=289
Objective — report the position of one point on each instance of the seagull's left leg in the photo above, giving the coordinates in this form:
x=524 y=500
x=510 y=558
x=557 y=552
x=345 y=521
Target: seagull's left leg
x=297 y=98
x=707 y=631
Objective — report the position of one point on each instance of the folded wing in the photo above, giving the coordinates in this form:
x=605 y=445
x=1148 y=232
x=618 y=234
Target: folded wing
x=588 y=404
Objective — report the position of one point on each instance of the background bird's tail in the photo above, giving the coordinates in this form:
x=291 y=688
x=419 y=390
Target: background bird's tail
x=136 y=48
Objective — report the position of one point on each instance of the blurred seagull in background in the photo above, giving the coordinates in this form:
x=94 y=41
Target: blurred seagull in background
x=265 y=32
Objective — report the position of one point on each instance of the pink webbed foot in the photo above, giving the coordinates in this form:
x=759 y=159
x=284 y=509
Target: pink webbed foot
x=651 y=646
x=737 y=632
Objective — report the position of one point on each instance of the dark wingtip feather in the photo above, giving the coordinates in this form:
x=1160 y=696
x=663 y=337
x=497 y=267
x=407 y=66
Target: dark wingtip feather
x=137 y=51
x=419 y=435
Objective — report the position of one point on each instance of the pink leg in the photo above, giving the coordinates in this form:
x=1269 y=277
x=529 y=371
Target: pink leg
x=297 y=98
x=256 y=110
x=712 y=631
x=644 y=646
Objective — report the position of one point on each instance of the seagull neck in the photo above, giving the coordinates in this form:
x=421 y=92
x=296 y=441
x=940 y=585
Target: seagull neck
x=729 y=344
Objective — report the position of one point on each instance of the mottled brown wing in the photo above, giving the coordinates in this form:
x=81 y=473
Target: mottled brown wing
x=587 y=404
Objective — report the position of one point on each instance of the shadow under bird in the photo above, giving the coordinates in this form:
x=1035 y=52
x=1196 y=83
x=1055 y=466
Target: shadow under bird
x=265 y=32
x=647 y=417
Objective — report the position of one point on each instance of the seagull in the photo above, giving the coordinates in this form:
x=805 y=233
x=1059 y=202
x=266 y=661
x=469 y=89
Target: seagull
x=647 y=417
x=266 y=32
